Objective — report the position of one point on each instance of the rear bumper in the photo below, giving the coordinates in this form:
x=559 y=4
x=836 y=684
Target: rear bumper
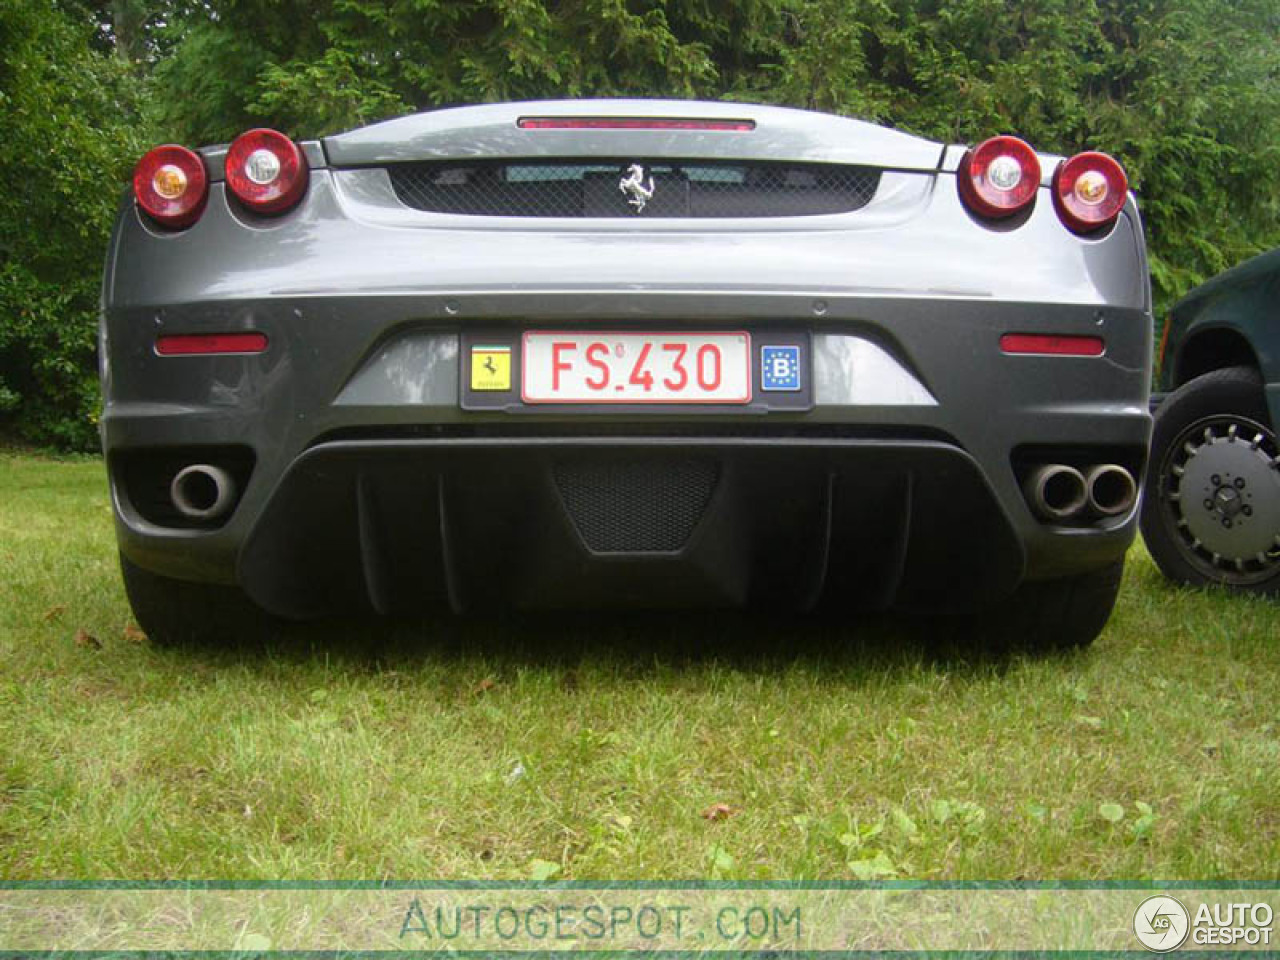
x=372 y=489
x=479 y=524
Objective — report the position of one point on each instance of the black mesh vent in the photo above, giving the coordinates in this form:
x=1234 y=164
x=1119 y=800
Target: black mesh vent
x=676 y=188
x=649 y=506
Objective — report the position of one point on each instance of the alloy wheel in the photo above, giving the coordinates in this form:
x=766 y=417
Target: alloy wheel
x=1220 y=485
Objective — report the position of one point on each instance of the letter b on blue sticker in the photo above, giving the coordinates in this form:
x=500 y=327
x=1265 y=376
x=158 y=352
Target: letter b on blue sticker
x=780 y=368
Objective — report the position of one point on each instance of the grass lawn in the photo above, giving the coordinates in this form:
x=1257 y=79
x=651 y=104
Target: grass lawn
x=352 y=752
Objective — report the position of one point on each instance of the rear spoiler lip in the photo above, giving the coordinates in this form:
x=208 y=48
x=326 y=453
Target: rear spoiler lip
x=493 y=131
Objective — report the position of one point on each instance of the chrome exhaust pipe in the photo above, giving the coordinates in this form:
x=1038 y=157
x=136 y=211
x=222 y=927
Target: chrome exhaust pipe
x=1056 y=491
x=1112 y=489
x=202 y=491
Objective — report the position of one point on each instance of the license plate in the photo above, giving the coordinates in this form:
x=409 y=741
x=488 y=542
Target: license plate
x=636 y=367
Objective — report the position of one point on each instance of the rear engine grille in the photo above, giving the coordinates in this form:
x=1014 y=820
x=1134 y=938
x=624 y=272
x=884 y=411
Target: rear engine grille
x=679 y=188
x=636 y=507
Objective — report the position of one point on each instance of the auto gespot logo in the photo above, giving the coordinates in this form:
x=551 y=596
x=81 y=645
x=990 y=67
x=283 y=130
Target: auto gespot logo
x=1161 y=924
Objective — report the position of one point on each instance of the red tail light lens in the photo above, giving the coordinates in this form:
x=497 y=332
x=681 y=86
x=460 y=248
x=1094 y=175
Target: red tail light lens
x=171 y=185
x=267 y=171
x=999 y=177
x=1089 y=191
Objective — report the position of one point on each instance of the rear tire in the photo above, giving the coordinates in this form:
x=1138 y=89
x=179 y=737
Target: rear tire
x=175 y=612
x=1211 y=506
x=1050 y=615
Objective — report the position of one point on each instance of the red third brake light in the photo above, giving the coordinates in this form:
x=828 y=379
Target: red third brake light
x=1089 y=191
x=630 y=123
x=266 y=170
x=999 y=177
x=170 y=184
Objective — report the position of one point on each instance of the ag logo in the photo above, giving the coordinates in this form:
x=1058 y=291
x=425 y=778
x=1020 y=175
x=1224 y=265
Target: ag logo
x=1161 y=923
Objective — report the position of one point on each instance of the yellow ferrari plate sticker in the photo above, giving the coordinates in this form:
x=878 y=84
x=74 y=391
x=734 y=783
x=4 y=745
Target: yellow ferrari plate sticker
x=490 y=368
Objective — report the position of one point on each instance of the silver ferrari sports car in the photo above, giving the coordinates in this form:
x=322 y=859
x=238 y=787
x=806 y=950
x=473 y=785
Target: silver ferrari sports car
x=625 y=353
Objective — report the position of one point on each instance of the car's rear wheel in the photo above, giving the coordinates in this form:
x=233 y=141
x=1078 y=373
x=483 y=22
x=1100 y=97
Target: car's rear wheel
x=1211 y=513
x=172 y=612
x=1049 y=615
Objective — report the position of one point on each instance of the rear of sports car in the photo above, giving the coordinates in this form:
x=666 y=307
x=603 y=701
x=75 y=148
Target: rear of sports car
x=625 y=354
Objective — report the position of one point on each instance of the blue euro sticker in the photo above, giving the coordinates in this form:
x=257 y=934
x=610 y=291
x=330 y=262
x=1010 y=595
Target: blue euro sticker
x=780 y=368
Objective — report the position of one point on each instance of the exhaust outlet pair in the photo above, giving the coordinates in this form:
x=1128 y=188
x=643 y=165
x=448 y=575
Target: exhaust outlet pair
x=202 y=491
x=1059 y=492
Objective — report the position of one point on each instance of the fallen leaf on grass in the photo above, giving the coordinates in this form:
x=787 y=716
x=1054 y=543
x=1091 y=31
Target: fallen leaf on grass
x=87 y=640
x=718 y=811
x=134 y=634
x=54 y=612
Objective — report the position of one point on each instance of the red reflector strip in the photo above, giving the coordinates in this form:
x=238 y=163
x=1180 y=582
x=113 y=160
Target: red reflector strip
x=190 y=344
x=1054 y=345
x=1164 y=341
x=629 y=123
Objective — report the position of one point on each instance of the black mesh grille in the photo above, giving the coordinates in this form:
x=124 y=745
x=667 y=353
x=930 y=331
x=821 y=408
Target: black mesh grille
x=640 y=507
x=592 y=189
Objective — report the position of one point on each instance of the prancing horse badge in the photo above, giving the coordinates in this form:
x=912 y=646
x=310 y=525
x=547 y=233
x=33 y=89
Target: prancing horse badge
x=633 y=185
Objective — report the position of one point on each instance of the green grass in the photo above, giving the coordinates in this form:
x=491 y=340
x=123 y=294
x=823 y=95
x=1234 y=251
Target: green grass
x=353 y=752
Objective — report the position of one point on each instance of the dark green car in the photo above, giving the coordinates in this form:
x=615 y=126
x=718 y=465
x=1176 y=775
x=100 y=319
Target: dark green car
x=1212 y=506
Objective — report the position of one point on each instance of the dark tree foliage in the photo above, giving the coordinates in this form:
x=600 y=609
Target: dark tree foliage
x=1185 y=92
x=69 y=127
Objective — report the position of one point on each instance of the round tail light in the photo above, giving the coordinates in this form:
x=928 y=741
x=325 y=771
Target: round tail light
x=171 y=185
x=999 y=177
x=1089 y=191
x=266 y=171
